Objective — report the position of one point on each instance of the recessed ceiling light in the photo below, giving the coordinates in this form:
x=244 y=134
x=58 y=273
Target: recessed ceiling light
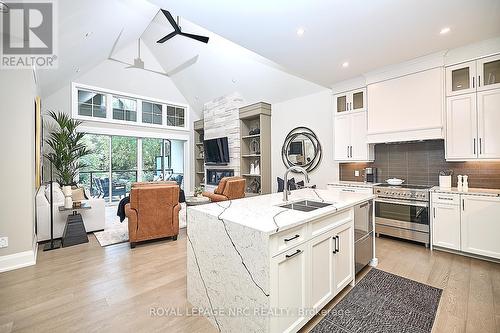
x=4 y=8
x=88 y=34
x=300 y=31
x=445 y=30
x=345 y=64
x=77 y=69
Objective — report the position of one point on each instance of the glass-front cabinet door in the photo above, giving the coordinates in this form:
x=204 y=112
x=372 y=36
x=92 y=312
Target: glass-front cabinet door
x=461 y=79
x=488 y=73
x=341 y=103
x=358 y=100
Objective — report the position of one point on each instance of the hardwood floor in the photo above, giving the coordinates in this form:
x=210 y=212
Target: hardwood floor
x=87 y=288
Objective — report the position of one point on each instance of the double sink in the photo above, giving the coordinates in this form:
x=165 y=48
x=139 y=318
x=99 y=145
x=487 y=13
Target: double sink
x=306 y=205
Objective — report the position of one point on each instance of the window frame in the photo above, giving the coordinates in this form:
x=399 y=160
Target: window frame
x=109 y=94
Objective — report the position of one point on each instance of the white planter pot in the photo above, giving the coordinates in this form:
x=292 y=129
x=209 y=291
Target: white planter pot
x=68 y=203
x=67 y=191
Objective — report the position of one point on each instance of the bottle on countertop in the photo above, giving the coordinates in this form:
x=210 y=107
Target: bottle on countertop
x=459 y=182
x=465 y=183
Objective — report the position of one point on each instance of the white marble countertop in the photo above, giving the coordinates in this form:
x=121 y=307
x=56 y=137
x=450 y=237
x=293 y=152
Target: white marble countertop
x=353 y=184
x=263 y=213
x=470 y=191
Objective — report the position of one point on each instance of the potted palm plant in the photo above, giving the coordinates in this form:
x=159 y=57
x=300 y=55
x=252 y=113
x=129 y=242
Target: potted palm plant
x=66 y=150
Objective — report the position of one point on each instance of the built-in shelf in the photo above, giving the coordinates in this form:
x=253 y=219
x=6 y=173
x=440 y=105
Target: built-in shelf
x=199 y=169
x=199 y=143
x=200 y=172
x=200 y=158
x=251 y=155
x=250 y=136
x=249 y=175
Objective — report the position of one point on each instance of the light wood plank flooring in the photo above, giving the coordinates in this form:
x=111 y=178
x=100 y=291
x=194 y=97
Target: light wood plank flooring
x=87 y=288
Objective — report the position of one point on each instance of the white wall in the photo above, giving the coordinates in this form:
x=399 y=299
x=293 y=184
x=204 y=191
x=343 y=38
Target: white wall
x=315 y=112
x=114 y=76
x=17 y=148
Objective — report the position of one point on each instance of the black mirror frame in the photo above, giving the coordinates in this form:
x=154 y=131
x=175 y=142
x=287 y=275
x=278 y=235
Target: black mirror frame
x=307 y=132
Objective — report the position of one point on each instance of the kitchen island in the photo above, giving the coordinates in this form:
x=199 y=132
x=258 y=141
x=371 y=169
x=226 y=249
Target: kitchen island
x=254 y=266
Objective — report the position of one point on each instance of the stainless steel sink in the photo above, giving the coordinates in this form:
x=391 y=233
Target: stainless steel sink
x=306 y=205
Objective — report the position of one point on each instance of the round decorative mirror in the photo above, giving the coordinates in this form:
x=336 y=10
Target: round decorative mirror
x=301 y=148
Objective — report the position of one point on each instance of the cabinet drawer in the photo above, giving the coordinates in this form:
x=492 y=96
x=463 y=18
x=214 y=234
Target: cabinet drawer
x=287 y=239
x=447 y=199
x=329 y=222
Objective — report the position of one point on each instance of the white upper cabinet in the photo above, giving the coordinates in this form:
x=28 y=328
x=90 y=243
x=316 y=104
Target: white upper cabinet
x=461 y=79
x=354 y=100
x=350 y=138
x=461 y=127
x=488 y=108
x=406 y=108
x=488 y=73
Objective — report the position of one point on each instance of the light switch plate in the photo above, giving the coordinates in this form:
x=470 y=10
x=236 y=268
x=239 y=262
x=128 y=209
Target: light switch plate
x=356 y=173
x=4 y=242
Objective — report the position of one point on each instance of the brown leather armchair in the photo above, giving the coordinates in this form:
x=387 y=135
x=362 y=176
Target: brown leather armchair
x=229 y=188
x=153 y=212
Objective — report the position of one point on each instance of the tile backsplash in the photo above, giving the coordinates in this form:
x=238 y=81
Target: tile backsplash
x=420 y=162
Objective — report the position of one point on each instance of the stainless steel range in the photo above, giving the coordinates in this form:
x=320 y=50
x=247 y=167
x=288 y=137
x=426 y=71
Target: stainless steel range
x=402 y=211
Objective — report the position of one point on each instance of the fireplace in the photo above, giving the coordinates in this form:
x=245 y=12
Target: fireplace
x=215 y=175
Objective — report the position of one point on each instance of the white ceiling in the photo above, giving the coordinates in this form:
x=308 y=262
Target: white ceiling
x=104 y=20
x=367 y=34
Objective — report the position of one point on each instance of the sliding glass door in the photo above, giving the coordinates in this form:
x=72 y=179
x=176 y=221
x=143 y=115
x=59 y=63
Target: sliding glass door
x=123 y=165
x=116 y=162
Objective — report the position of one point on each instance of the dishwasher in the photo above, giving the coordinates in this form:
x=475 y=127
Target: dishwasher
x=363 y=234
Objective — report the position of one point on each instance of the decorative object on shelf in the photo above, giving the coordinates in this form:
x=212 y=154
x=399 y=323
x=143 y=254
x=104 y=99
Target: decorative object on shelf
x=198 y=190
x=255 y=146
x=252 y=168
x=67 y=148
x=68 y=200
x=254 y=131
x=257 y=168
x=459 y=182
x=255 y=186
x=301 y=148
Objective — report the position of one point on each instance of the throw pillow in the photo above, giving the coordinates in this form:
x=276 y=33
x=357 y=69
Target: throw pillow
x=57 y=193
x=78 y=194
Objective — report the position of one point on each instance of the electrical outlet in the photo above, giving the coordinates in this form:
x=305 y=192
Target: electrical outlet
x=356 y=173
x=4 y=242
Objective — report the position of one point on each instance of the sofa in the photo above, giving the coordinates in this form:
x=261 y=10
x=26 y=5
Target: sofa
x=93 y=219
x=153 y=212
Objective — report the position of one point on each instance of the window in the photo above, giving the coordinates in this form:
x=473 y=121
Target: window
x=151 y=113
x=175 y=116
x=124 y=109
x=91 y=104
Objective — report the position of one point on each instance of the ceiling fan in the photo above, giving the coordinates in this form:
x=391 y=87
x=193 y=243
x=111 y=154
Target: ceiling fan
x=139 y=63
x=177 y=30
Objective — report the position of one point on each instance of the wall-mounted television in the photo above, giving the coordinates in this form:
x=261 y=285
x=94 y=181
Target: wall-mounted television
x=216 y=151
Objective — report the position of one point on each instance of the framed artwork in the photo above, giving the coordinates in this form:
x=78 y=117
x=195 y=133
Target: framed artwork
x=38 y=142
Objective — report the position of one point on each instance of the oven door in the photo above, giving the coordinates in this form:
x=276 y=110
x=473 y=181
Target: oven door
x=412 y=215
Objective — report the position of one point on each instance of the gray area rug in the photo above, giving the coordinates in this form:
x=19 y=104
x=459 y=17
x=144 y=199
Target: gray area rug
x=384 y=302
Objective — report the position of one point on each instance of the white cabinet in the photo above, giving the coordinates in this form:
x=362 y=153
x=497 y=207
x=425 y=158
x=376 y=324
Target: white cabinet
x=289 y=282
x=466 y=222
x=446 y=220
x=461 y=127
x=472 y=126
x=488 y=73
x=350 y=138
x=480 y=225
x=473 y=76
x=354 y=100
x=312 y=273
x=343 y=257
x=322 y=277
x=488 y=115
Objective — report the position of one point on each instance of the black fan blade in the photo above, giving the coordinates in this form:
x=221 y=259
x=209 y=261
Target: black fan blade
x=197 y=37
x=167 y=37
x=171 y=20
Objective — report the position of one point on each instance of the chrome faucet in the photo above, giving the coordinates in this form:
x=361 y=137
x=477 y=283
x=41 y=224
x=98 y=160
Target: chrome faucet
x=286 y=192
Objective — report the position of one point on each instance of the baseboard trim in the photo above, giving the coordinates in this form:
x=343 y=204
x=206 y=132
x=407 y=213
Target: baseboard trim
x=17 y=260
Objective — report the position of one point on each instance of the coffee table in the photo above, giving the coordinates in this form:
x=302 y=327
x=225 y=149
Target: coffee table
x=74 y=230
